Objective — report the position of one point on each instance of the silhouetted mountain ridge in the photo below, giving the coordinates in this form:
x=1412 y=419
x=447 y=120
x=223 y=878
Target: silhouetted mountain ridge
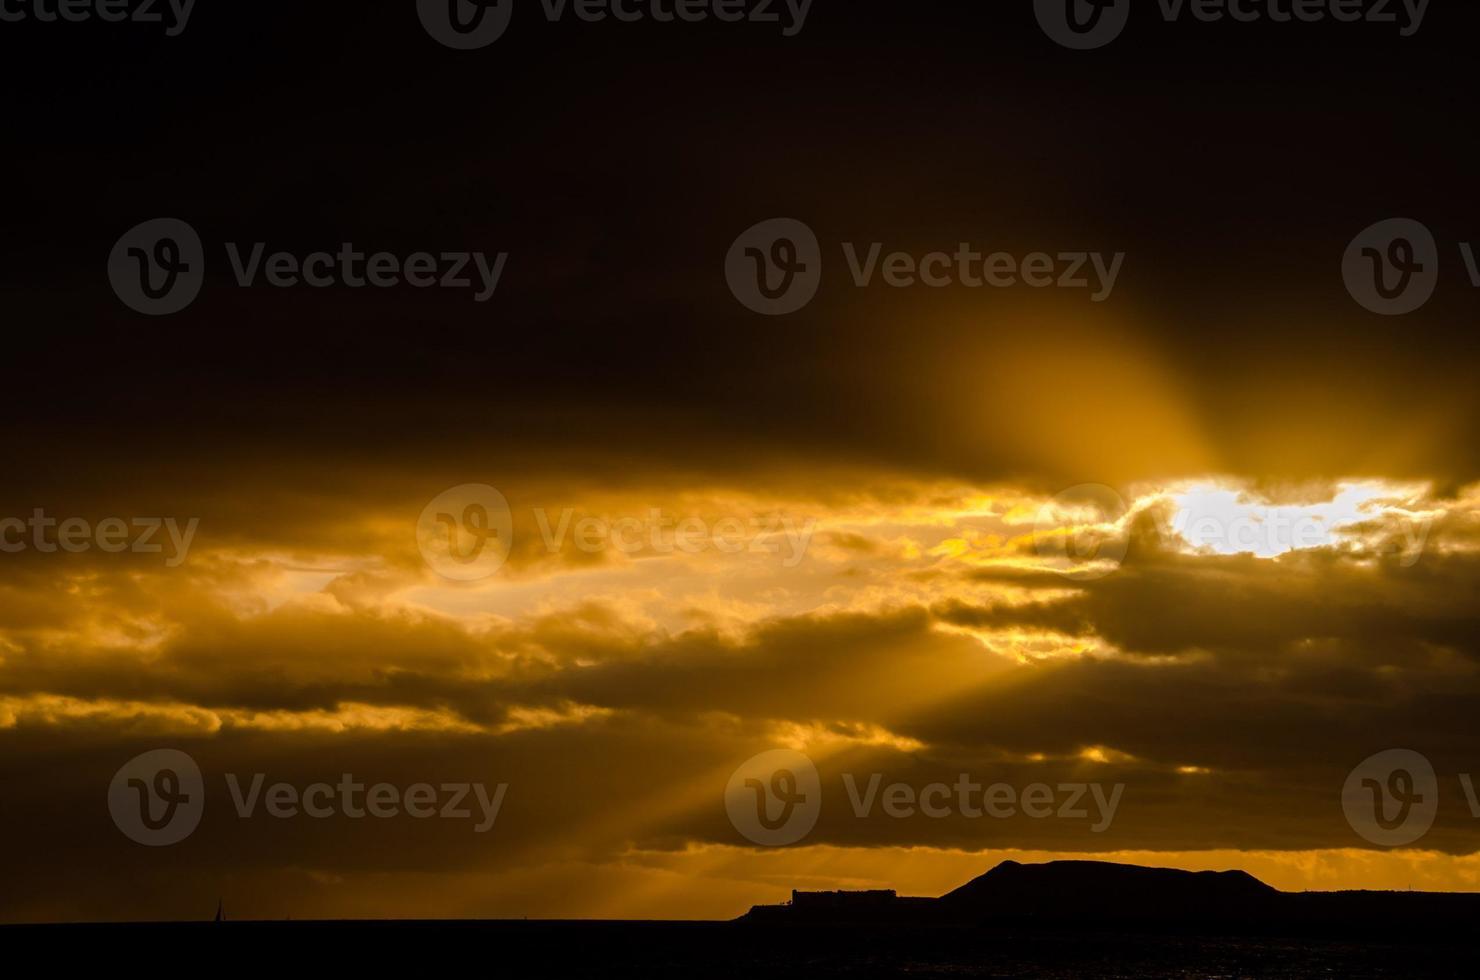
x=1096 y=889
x=1095 y=894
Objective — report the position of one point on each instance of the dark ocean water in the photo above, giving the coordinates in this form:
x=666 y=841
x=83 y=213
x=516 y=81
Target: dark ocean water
x=701 y=950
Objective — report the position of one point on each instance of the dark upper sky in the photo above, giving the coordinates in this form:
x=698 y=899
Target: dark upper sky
x=616 y=162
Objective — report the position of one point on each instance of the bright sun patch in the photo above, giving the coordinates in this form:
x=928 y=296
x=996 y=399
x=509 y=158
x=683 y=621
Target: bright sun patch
x=1231 y=521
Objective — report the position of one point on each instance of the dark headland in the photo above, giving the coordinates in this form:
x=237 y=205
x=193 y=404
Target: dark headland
x=1068 y=920
x=1093 y=894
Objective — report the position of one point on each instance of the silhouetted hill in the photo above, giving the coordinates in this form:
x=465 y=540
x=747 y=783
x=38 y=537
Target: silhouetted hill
x=1096 y=895
x=1097 y=891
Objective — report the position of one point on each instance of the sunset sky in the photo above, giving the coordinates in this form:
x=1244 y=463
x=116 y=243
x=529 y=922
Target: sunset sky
x=940 y=531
